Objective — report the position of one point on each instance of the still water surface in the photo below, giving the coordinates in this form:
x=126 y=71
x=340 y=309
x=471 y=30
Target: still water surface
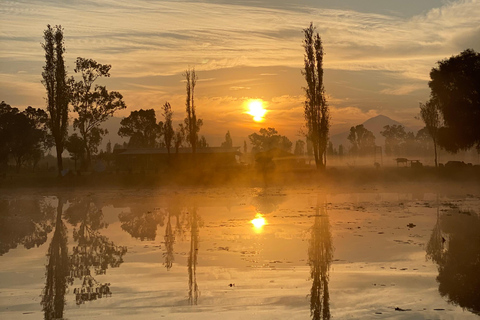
x=240 y=254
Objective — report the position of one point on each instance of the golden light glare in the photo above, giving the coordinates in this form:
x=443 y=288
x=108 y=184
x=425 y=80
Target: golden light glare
x=256 y=110
x=258 y=222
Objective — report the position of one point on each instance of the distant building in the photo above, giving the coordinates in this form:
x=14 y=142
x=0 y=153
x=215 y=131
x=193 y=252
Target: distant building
x=158 y=159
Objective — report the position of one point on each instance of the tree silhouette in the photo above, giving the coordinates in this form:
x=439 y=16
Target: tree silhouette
x=362 y=140
x=94 y=105
x=22 y=135
x=57 y=270
x=76 y=147
x=192 y=124
x=142 y=128
x=320 y=255
x=55 y=82
x=317 y=114
x=431 y=117
x=168 y=133
x=228 y=143
x=269 y=139
x=395 y=137
x=455 y=90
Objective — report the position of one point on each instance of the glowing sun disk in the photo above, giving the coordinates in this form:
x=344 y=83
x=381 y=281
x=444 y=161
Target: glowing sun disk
x=259 y=221
x=255 y=109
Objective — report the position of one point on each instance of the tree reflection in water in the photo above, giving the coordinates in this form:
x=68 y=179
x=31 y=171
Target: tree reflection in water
x=57 y=270
x=320 y=255
x=455 y=246
x=169 y=242
x=192 y=257
x=142 y=223
x=93 y=250
x=24 y=221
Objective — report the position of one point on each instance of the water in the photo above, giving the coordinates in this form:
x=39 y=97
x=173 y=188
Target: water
x=195 y=254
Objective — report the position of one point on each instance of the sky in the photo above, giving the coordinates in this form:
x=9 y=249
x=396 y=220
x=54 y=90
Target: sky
x=378 y=55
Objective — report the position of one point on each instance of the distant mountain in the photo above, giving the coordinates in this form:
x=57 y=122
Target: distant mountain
x=374 y=124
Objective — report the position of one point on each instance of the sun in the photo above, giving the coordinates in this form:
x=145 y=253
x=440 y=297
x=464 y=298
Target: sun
x=256 y=109
x=258 y=222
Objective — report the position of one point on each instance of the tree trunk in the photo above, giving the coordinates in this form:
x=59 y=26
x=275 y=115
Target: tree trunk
x=59 y=161
x=435 y=148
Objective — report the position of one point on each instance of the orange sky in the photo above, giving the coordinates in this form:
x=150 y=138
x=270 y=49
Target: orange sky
x=378 y=55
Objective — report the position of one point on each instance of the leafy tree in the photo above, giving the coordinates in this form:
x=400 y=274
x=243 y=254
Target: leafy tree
x=228 y=141
x=75 y=146
x=192 y=124
x=142 y=128
x=179 y=137
x=455 y=91
x=395 y=136
x=168 y=132
x=430 y=115
x=299 y=148
x=20 y=136
x=55 y=82
x=362 y=140
x=202 y=142
x=244 y=146
x=94 y=104
x=340 y=150
x=317 y=114
x=269 y=139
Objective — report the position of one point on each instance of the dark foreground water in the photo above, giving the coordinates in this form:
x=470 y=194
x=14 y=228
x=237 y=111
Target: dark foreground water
x=240 y=254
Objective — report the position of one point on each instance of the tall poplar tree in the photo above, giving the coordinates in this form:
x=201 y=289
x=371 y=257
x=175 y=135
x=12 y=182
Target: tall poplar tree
x=317 y=114
x=192 y=124
x=55 y=82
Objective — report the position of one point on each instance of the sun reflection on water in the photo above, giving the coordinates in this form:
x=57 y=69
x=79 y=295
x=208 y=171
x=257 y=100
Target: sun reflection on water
x=258 y=222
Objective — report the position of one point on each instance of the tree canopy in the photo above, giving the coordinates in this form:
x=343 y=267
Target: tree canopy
x=269 y=139
x=455 y=88
x=142 y=128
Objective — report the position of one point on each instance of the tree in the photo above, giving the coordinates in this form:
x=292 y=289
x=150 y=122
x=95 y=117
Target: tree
x=168 y=132
x=244 y=146
x=142 y=128
x=269 y=139
x=317 y=114
x=93 y=104
x=202 y=142
x=75 y=146
x=192 y=124
x=431 y=117
x=362 y=140
x=395 y=136
x=455 y=91
x=228 y=141
x=299 y=148
x=55 y=82
x=179 y=137
x=21 y=136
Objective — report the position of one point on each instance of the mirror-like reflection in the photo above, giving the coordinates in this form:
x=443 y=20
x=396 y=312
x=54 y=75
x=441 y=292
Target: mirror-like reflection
x=169 y=242
x=57 y=270
x=26 y=222
x=320 y=255
x=193 y=257
x=92 y=251
x=454 y=246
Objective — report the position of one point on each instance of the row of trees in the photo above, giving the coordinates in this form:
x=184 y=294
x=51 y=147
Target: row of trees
x=93 y=103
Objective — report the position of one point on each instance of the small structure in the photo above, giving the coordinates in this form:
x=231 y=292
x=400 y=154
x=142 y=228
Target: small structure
x=405 y=162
